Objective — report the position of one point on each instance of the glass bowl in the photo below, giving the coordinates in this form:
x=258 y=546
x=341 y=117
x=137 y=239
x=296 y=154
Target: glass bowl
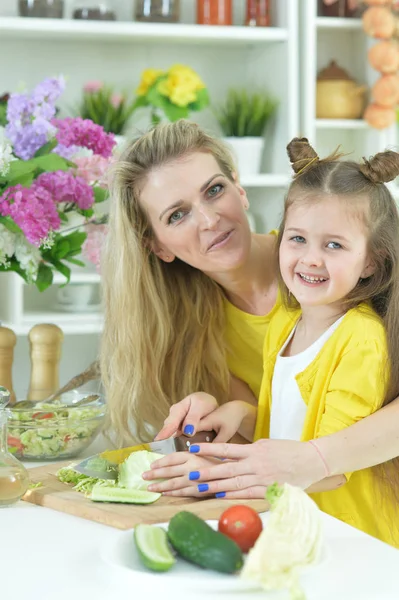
x=56 y=430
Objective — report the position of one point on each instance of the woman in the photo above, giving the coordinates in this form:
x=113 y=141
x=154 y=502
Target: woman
x=188 y=292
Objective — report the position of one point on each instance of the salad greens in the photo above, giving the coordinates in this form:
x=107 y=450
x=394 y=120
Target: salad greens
x=53 y=430
x=130 y=472
x=291 y=539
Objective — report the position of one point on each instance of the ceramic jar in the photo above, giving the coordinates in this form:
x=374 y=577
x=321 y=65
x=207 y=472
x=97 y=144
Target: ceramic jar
x=337 y=95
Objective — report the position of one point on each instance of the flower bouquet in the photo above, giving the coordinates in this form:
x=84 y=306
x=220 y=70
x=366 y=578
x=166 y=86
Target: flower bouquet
x=174 y=93
x=105 y=107
x=44 y=180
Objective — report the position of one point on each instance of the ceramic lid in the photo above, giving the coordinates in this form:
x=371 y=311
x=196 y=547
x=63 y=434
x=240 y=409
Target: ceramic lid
x=333 y=72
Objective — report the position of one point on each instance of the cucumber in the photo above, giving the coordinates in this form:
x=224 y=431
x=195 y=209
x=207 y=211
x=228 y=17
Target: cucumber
x=198 y=543
x=103 y=493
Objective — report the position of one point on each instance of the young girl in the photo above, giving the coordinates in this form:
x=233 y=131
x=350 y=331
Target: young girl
x=331 y=353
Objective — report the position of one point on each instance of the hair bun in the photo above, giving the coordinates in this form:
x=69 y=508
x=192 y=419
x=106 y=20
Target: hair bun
x=382 y=167
x=301 y=154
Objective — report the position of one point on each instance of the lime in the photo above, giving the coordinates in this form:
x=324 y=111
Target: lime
x=153 y=548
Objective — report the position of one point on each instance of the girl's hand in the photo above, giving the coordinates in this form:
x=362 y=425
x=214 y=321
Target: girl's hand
x=231 y=418
x=176 y=468
x=185 y=416
x=252 y=467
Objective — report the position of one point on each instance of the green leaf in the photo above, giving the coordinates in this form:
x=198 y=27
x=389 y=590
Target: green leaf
x=75 y=239
x=62 y=249
x=86 y=212
x=47 y=148
x=44 y=277
x=19 y=168
x=24 y=180
x=202 y=100
x=10 y=225
x=63 y=269
x=51 y=162
x=100 y=194
x=75 y=261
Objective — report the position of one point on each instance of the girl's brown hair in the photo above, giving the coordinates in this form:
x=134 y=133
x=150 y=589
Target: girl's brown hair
x=164 y=322
x=364 y=182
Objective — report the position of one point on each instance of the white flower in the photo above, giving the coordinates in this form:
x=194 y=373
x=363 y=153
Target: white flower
x=28 y=257
x=7 y=245
x=5 y=157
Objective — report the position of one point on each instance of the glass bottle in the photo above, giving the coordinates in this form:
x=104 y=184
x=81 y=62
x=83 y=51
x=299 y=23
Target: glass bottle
x=14 y=478
x=44 y=9
x=214 y=12
x=158 y=11
x=90 y=10
x=258 y=13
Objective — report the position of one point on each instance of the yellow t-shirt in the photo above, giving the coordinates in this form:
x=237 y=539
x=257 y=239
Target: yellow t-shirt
x=344 y=383
x=245 y=336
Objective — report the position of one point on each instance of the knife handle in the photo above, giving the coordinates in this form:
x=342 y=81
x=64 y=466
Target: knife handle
x=183 y=442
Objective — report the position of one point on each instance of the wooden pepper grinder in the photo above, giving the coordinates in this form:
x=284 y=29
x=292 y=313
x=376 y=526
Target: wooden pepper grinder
x=45 y=341
x=8 y=339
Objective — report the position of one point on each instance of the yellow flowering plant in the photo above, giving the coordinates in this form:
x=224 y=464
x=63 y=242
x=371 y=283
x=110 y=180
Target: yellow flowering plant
x=175 y=92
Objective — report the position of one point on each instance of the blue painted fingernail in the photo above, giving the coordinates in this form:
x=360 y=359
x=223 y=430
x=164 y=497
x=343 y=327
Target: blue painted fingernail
x=188 y=430
x=220 y=495
x=193 y=475
x=194 y=448
x=203 y=487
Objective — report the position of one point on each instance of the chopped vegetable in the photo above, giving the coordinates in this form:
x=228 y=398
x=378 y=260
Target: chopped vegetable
x=53 y=430
x=153 y=548
x=132 y=469
x=291 y=539
x=107 y=493
x=81 y=483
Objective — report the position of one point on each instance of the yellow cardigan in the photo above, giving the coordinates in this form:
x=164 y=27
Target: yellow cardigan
x=343 y=384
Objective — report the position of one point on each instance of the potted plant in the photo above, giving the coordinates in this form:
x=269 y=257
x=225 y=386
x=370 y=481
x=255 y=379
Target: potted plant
x=173 y=93
x=44 y=181
x=243 y=118
x=106 y=107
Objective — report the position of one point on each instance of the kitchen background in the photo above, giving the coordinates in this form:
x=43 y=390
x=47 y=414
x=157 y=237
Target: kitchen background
x=283 y=59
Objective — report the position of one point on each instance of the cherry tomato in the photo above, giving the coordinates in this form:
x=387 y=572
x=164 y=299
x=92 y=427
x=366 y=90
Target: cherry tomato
x=242 y=524
x=41 y=415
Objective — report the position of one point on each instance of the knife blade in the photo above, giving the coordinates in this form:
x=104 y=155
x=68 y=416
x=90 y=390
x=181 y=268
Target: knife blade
x=105 y=464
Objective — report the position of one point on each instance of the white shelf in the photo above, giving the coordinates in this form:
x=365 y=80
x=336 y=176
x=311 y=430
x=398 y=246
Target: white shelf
x=341 y=124
x=266 y=180
x=76 y=323
x=78 y=277
x=342 y=24
x=121 y=31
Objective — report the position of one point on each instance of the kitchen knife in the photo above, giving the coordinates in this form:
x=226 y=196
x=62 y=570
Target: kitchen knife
x=105 y=464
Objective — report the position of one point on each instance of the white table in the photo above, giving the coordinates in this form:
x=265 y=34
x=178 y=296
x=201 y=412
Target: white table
x=47 y=555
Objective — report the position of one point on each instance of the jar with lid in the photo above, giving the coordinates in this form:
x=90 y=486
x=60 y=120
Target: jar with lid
x=258 y=13
x=42 y=9
x=214 y=12
x=90 y=10
x=158 y=11
x=339 y=8
x=14 y=478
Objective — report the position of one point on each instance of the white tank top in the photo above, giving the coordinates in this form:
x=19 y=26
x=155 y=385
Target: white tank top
x=288 y=407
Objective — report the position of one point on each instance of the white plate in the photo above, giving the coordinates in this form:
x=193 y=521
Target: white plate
x=122 y=554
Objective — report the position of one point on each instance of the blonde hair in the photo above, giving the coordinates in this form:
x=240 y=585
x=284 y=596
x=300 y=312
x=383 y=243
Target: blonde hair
x=164 y=322
x=364 y=181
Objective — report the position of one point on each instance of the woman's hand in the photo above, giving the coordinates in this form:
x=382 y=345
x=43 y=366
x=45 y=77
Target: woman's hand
x=175 y=469
x=249 y=469
x=185 y=416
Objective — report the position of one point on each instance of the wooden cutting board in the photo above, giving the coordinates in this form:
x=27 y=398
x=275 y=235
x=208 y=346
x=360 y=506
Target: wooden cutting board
x=60 y=496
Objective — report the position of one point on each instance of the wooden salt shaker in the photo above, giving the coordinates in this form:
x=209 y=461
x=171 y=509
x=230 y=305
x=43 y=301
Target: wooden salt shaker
x=8 y=339
x=45 y=341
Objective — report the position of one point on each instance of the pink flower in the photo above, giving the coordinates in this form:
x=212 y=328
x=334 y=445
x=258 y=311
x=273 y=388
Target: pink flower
x=84 y=133
x=65 y=187
x=116 y=100
x=92 y=246
x=32 y=209
x=93 y=86
x=93 y=169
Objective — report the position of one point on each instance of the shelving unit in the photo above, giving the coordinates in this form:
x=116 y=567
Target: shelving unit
x=324 y=39
x=117 y=52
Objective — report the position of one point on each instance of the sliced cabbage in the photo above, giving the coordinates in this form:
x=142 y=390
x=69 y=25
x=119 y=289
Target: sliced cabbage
x=132 y=469
x=291 y=539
